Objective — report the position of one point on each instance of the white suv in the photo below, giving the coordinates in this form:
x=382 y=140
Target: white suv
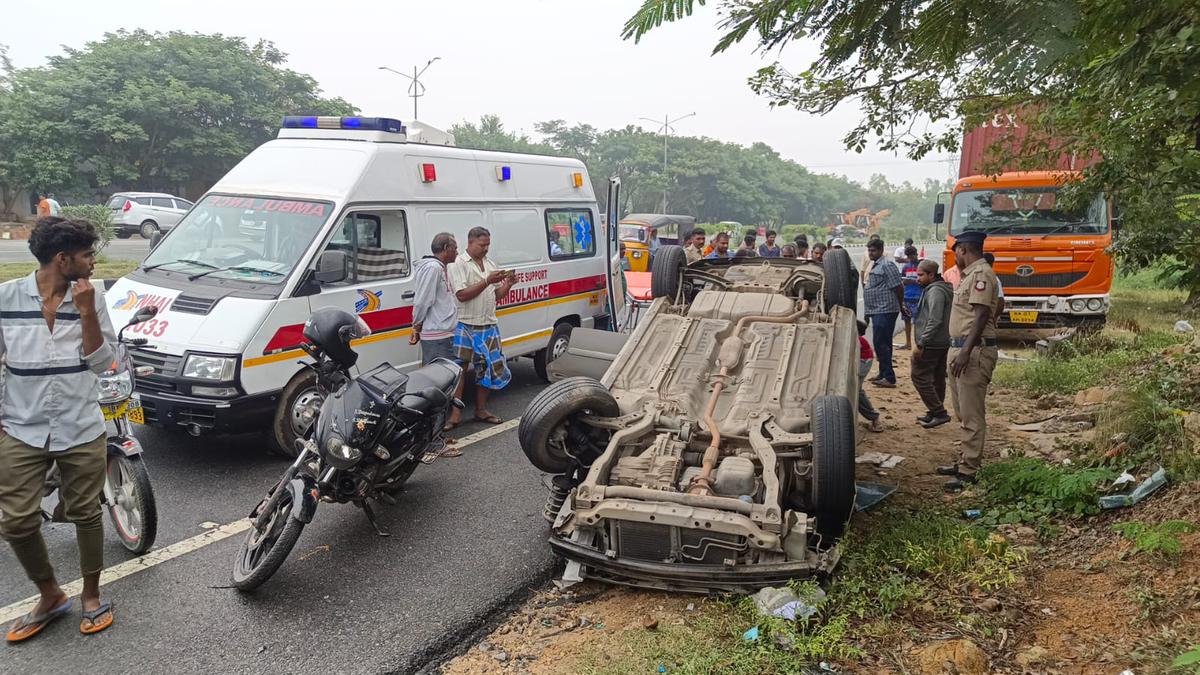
x=145 y=213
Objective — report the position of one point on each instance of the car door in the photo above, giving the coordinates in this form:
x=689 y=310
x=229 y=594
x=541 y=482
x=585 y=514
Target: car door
x=378 y=284
x=163 y=212
x=612 y=243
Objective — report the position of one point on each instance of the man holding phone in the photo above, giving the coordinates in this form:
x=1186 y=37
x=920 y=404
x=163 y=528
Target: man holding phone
x=479 y=285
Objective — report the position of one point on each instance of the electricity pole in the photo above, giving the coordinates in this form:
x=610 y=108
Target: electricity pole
x=666 y=129
x=416 y=90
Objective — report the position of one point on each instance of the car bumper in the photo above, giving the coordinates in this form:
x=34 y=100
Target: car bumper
x=1024 y=312
x=676 y=577
x=204 y=415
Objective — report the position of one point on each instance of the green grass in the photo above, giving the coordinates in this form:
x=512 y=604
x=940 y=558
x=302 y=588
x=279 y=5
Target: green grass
x=105 y=269
x=1162 y=539
x=903 y=564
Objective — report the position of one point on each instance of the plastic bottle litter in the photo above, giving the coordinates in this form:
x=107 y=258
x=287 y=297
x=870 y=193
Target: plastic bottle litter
x=1182 y=326
x=972 y=514
x=751 y=635
x=1143 y=490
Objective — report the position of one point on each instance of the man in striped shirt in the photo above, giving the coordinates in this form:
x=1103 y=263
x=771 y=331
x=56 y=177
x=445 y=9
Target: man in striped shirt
x=56 y=338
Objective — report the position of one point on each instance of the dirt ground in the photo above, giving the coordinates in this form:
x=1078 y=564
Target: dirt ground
x=1083 y=605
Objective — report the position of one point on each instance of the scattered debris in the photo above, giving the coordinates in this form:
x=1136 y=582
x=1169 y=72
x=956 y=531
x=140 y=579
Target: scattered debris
x=785 y=603
x=1143 y=490
x=650 y=623
x=868 y=495
x=962 y=656
x=1080 y=420
x=751 y=635
x=1123 y=479
x=1031 y=657
x=882 y=460
x=1094 y=395
x=1051 y=344
x=990 y=605
x=1005 y=357
x=501 y=656
x=972 y=514
x=691 y=607
x=1183 y=326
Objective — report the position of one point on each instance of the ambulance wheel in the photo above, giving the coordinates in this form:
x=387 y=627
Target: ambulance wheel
x=291 y=422
x=559 y=339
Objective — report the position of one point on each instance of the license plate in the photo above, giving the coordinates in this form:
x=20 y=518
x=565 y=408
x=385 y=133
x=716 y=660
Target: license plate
x=136 y=413
x=1023 y=316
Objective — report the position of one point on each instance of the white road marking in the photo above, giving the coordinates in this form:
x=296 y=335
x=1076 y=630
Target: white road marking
x=210 y=536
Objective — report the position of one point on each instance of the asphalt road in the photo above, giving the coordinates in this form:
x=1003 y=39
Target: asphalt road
x=467 y=540
x=134 y=248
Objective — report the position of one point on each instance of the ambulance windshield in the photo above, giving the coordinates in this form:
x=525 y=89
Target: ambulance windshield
x=244 y=238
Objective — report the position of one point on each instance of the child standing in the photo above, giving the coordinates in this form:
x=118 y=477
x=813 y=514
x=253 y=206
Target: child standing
x=866 y=357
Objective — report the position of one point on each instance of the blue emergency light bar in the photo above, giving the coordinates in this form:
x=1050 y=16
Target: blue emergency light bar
x=355 y=123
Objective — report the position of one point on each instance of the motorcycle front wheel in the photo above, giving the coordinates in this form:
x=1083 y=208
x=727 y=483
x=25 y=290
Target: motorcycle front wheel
x=129 y=500
x=263 y=550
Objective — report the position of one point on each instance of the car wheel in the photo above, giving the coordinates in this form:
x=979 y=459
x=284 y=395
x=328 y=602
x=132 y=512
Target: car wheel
x=832 y=495
x=557 y=346
x=291 y=422
x=546 y=424
x=148 y=228
x=841 y=284
x=666 y=272
x=122 y=234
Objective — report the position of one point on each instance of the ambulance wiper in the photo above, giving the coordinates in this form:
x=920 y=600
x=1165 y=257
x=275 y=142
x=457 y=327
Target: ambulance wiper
x=236 y=268
x=198 y=263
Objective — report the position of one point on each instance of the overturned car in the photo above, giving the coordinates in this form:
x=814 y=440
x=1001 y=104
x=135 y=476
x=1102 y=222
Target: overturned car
x=716 y=451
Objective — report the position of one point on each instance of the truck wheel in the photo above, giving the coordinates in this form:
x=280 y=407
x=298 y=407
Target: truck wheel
x=544 y=426
x=290 y=422
x=557 y=346
x=148 y=228
x=666 y=273
x=833 y=465
x=841 y=286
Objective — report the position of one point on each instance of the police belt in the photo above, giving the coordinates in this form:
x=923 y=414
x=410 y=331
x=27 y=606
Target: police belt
x=957 y=343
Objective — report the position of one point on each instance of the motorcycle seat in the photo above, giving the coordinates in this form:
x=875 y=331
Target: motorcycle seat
x=442 y=374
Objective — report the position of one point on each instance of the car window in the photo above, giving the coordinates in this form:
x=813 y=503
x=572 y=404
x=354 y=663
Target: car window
x=570 y=233
x=116 y=201
x=376 y=245
x=183 y=204
x=162 y=202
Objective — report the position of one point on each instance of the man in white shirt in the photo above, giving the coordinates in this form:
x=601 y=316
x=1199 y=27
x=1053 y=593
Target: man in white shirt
x=900 y=255
x=479 y=285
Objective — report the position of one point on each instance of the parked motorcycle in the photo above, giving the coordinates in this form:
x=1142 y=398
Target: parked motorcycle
x=370 y=434
x=128 y=496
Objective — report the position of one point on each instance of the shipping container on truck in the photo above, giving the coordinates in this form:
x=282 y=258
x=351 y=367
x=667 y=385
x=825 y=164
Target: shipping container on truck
x=1053 y=262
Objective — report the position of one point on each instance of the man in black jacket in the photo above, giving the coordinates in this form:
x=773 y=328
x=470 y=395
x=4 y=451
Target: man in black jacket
x=932 y=334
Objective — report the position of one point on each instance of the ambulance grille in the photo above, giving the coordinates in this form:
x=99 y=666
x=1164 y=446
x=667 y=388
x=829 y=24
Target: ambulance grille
x=191 y=304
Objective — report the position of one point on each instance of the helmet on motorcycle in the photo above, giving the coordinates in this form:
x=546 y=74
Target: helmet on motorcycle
x=332 y=329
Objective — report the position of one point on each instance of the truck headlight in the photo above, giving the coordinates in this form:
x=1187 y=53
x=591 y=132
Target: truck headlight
x=114 y=388
x=1078 y=305
x=1095 y=304
x=201 y=367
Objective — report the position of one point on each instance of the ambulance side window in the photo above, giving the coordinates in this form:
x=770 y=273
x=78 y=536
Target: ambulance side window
x=570 y=233
x=376 y=245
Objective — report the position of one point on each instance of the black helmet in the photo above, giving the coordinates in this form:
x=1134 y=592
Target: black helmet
x=332 y=329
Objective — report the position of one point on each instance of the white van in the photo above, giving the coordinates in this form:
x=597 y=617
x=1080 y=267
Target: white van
x=334 y=212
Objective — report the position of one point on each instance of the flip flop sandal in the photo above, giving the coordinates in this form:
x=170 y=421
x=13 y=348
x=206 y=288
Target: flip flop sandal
x=490 y=419
x=30 y=624
x=450 y=452
x=94 y=615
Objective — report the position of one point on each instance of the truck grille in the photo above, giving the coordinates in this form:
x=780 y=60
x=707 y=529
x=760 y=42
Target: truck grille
x=1056 y=280
x=166 y=366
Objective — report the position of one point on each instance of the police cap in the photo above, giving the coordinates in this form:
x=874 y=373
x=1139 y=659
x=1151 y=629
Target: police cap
x=970 y=237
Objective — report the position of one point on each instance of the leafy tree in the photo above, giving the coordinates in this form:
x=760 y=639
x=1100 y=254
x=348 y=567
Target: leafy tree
x=147 y=110
x=1114 y=79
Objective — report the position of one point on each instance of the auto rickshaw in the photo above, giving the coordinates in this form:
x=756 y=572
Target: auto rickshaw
x=634 y=231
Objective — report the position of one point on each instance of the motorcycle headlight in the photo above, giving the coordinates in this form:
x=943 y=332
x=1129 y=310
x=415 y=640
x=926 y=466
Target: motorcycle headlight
x=1095 y=304
x=116 y=387
x=201 y=367
x=341 y=455
x=1078 y=305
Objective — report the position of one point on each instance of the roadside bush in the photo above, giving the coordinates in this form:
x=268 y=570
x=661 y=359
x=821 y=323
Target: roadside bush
x=1162 y=539
x=1028 y=490
x=96 y=214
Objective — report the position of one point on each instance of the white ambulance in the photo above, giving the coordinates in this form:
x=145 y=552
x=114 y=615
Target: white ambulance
x=334 y=212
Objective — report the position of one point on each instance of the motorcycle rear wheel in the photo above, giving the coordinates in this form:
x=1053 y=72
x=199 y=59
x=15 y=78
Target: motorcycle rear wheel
x=129 y=500
x=262 y=552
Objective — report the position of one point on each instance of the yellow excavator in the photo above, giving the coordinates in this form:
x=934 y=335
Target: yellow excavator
x=857 y=223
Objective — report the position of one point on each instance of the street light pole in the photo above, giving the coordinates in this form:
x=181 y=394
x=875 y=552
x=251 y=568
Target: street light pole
x=666 y=131
x=416 y=89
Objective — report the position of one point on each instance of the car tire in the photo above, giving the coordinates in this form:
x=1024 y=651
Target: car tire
x=147 y=229
x=284 y=431
x=841 y=284
x=832 y=488
x=557 y=346
x=543 y=425
x=122 y=234
x=666 y=272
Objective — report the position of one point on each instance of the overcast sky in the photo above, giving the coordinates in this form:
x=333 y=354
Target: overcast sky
x=524 y=60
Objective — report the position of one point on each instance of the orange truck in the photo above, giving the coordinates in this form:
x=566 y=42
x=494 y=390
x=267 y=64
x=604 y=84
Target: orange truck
x=1054 y=263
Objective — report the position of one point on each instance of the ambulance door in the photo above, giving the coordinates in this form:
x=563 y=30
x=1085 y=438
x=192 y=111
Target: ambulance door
x=617 y=309
x=378 y=285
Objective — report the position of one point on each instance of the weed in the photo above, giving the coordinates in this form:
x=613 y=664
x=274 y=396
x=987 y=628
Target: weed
x=1028 y=490
x=1162 y=539
x=1152 y=426
x=1189 y=660
x=1150 y=603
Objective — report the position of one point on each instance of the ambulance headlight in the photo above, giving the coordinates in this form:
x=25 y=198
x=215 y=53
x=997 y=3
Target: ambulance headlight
x=218 y=368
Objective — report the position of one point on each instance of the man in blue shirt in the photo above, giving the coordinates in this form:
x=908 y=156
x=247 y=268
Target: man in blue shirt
x=720 y=246
x=883 y=298
x=912 y=292
x=770 y=249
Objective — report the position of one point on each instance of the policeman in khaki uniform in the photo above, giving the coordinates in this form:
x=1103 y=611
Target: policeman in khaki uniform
x=972 y=356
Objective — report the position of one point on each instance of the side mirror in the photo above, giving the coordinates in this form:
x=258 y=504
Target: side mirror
x=155 y=239
x=331 y=267
x=144 y=314
x=1118 y=218
x=939 y=213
